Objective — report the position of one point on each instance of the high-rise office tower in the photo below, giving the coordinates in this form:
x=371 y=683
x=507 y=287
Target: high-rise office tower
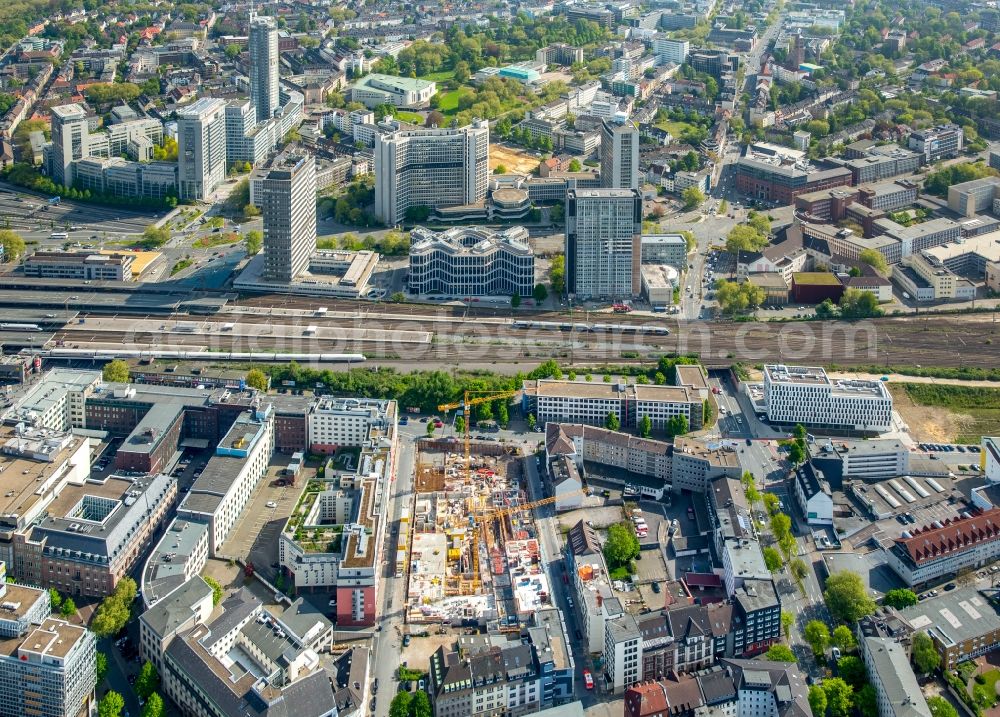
x=430 y=168
x=201 y=148
x=619 y=155
x=264 y=66
x=603 y=249
x=69 y=141
x=286 y=195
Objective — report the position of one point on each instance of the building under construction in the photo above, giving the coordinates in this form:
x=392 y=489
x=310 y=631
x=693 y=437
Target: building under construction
x=469 y=546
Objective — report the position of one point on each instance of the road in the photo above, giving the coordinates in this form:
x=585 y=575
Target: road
x=387 y=642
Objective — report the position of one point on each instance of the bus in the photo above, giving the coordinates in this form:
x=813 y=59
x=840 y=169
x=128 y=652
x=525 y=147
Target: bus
x=59 y=235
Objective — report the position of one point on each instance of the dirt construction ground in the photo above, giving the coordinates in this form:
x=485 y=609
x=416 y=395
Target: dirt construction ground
x=933 y=424
x=516 y=161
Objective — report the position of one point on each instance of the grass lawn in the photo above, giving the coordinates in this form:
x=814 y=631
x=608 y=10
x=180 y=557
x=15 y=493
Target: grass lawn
x=448 y=104
x=213 y=241
x=411 y=117
x=976 y=410
x=442 y=76
x=985 y=693
x=674 y=128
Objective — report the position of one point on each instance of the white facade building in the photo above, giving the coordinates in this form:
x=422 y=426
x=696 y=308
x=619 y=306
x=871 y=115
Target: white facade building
x=471 y=261
x=201 y=140
x=264 y=77
x=806 y=395
x=603 y=242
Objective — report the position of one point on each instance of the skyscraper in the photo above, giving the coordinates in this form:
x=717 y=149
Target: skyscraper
x=619 y=155
x=286 y=195
x=430 y=168
x=264 y=66
x=603 y=249
x=201 y=148
x=69 y=141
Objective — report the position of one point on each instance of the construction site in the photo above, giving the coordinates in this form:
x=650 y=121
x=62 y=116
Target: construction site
x=469 y=548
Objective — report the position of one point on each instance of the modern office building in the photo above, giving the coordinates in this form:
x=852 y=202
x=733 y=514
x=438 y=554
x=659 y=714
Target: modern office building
x=619 y=155
x=471 y=261
x=430 y=168
x=264 y=76
x=603 y=242
x=667 y=50
x=670 y=249
x=939 y=142
x=780 y=174
x=201 y=151
x=48 y=667
x=806 y=395
x=971 y=198
x=69 y=141
x=79 y=265
x=286 y=194
x=374 y=90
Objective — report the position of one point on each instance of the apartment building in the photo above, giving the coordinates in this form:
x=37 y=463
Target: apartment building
x=603 y=247
x=897 y=691
x=430 y=168
x=471 y=261
x=264 y=77
x=57 y=401
x=937 y=143
x=642 y=456
x=201 y=141
x=48 y=667
x=697 y=463
x=806 y=395
x=591 y=403
x=812 y=494
x=962 y=623
x=623 y=645
x=79 y=266
x=488 y=680
x=934 y=552
x=277 y=674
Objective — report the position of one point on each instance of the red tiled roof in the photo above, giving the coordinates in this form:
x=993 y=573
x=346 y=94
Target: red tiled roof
x=930 y=543
x=646 y=699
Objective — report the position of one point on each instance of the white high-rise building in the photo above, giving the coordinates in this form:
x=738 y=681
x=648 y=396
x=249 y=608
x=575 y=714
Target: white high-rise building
x=201 y=151
x=619 y=155
x=430 y=168
x=69 y=141
x=806 y=395
x=286 y=195
x=264 y=66
x=603 y=234
x=667 y=50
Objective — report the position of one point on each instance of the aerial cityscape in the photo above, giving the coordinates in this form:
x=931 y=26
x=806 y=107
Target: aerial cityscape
x=604 y=358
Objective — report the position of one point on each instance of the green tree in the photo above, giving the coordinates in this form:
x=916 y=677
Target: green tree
x=154 y=237
x=68 y=608
x=216 y=589
x=692 y=197
x=503 y=414
x=116 y=371
x=796 y=453
x=799 y=433
x=900 y=598
x=532 y=421
x=735 y=298
x=772 y=559
x=677 y=425
x=781 y=525
x=111 y=705
x=101 y=663
x=540 y=293
x=645 y=426
x=459 y=424
x=847 y=598
x=744 y=238
x=771 y=503
x=787 y=621
x=574 y=165
x=838 y=697
x=611 y=421
x=55 y=599
x=147 y=681
x=257 y=379
x=400 y=705
x=925 y=657
x=154 y=706
x=817 y=700
x=760 y=223
x=817 y=634
x=875 y=259
x=867 y=701
x=842 y=638
x=232 y=51
x=253 y=240
x=780 y=653
x=858 y=304
x=515 y=300
x=622 y=546
x=557 y=274
x=13 y=245
x=421 y=705
x=940 y=707
x=852 y=669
